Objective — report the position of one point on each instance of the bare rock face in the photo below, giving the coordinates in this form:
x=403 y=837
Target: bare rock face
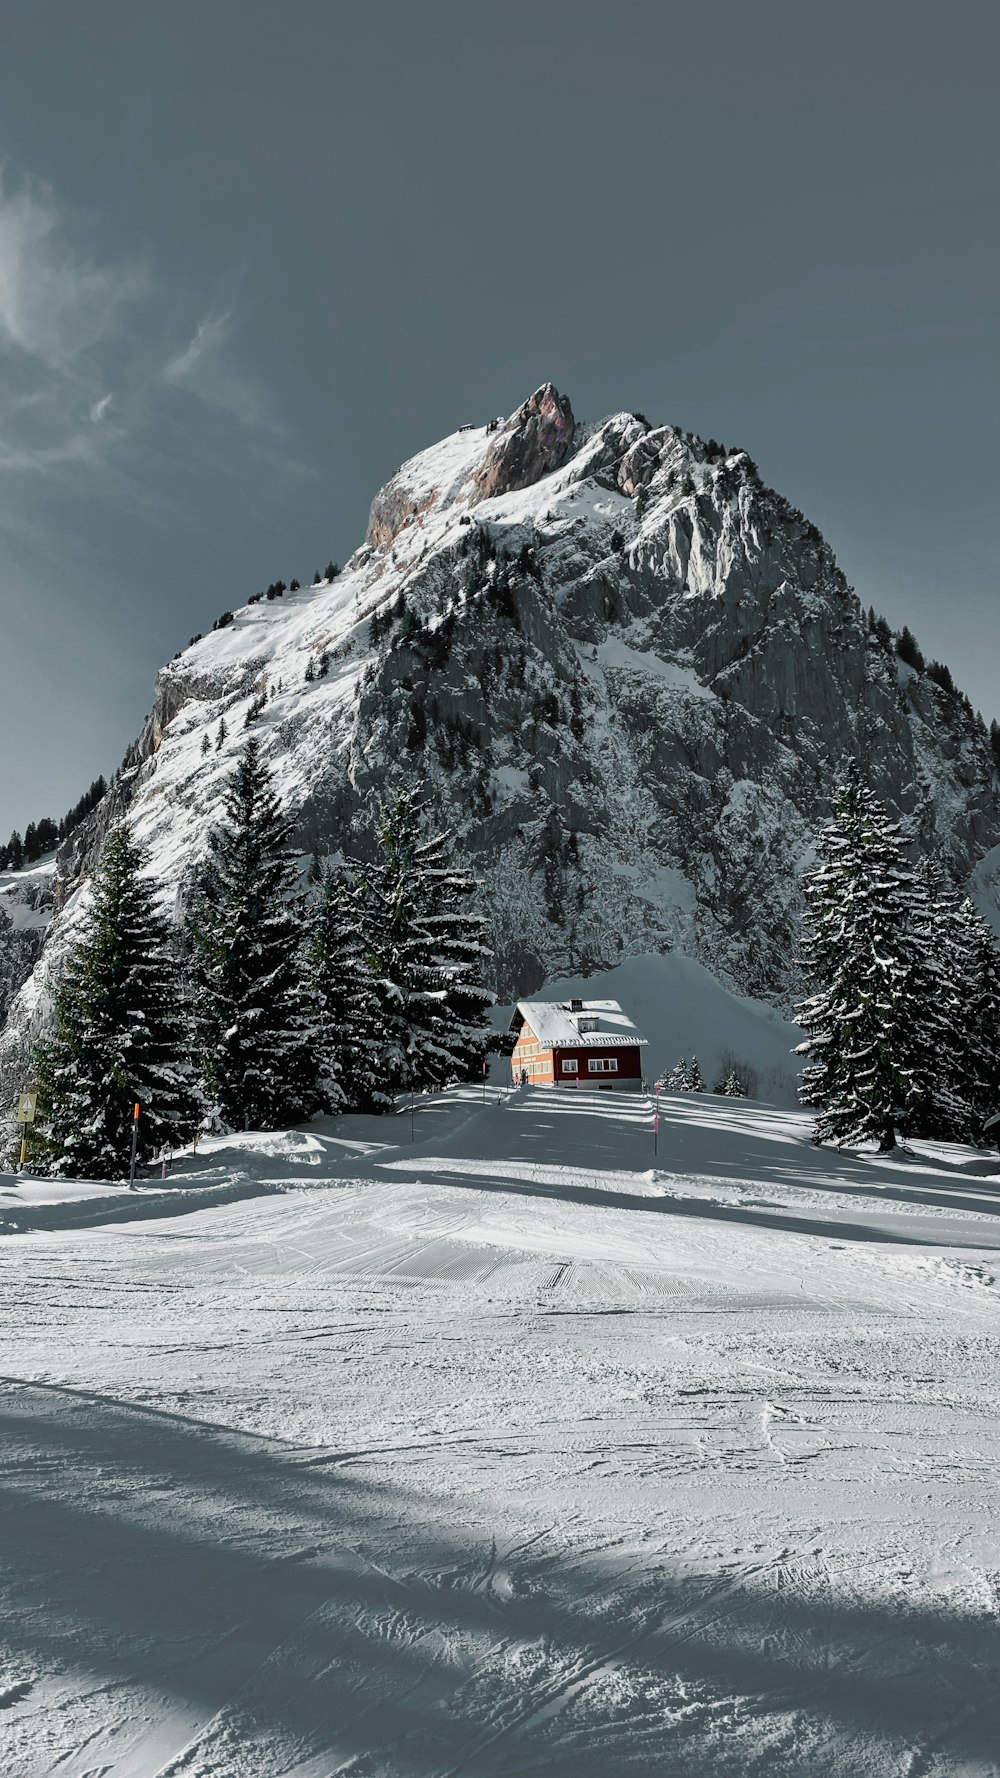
x=640 y=463
x=392 y=508
x=535 y=440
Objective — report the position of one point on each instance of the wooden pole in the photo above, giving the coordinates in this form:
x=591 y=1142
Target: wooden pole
x=135 y=1138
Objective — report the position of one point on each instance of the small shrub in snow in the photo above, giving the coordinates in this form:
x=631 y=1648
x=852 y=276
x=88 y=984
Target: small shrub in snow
x=684 y=1077
x=731 y=1065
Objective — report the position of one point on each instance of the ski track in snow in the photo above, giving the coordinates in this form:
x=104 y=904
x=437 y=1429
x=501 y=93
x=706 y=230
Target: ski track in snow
x=509 y=1451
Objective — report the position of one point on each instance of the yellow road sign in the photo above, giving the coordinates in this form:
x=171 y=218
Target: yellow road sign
x=25 y=1113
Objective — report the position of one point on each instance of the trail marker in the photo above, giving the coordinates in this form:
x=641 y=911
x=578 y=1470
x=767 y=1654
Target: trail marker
x=24 y=1115
x=135 y=1138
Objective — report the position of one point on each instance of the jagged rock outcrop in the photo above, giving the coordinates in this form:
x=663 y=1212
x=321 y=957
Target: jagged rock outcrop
x=626 y=670
x=534 y=441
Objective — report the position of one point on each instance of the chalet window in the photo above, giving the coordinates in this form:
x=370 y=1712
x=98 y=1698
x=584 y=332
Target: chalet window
x=570 y=1065
x=603 y=1064
x=583 y=1025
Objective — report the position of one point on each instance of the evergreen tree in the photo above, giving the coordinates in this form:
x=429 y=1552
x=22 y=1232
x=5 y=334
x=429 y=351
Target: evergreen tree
x=678 y=1080
x=15 y=851
x=938 y=985
x=221 y=734
x=462 y=956
x=941 y=675
x=350 y=1049
x=427 y=954
x=733 y=1087
x=861 y=1076
x=257 y=1014
x=976 y=1039
x=122 y=1033
x=695 y=1082
x=908 y=651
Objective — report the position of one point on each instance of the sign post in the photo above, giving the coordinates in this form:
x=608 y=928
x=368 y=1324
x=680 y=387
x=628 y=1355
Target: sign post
x=135 y=1138
x=656 y=1115
x=486 y=1069
x=25 y=1115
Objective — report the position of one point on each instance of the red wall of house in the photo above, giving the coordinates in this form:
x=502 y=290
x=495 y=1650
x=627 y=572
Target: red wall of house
x=544 y=1066
x=629 y=1066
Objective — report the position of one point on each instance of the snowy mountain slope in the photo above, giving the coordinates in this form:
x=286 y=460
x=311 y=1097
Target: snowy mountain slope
x=627 y=671
x=26 y=909
x=511 y=1451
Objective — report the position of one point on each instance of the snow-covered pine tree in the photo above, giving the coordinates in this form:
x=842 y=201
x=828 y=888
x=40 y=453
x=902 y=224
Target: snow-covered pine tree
x=462 y=955
x=426 y=952
x=861 y=1076
x=940 y=982
x=258 y=1015
x=733 y=1087
x=409 y=989
x=678 y=1080
x=122 y=1033
x=978 y=1070
x=350 y=1048
x=695 y=1082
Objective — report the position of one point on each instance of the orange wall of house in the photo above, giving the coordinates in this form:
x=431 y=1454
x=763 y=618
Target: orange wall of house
x=529 y=1054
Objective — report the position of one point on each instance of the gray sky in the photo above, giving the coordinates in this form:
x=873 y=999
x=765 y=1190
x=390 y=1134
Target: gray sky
x=253 y=254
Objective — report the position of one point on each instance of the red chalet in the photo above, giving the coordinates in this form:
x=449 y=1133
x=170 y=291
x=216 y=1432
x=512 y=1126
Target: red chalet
x=569 y=1043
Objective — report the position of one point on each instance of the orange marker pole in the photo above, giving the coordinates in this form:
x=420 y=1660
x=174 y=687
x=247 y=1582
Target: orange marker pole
x=135 y=1138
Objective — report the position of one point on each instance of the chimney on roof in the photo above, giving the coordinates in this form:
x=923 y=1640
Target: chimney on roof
x=576 y=1006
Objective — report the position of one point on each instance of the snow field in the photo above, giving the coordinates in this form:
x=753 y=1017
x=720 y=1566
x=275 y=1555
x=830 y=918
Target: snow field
x=511 y=1450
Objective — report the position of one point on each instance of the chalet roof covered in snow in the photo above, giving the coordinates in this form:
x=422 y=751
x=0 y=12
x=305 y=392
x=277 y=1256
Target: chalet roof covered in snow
x=557 y=1023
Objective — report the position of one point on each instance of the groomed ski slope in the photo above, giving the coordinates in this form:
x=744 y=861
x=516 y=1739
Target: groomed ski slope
x=508 y=1451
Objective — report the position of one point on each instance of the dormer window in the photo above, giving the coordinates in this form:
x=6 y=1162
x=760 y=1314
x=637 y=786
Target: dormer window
x=585 y=1024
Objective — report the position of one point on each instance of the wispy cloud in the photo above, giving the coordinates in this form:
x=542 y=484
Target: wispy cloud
x=56 y=302
x=204 y=368
x=208 y=337
x=103 y=381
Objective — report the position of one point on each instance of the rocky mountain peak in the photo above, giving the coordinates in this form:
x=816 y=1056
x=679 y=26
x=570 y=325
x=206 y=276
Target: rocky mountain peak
x=536 y=439
x=476 y=464
x=626 y=671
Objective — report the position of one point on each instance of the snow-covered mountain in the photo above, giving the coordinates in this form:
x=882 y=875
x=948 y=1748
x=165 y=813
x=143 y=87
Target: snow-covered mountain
x=627 y=671
x=26 y=906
